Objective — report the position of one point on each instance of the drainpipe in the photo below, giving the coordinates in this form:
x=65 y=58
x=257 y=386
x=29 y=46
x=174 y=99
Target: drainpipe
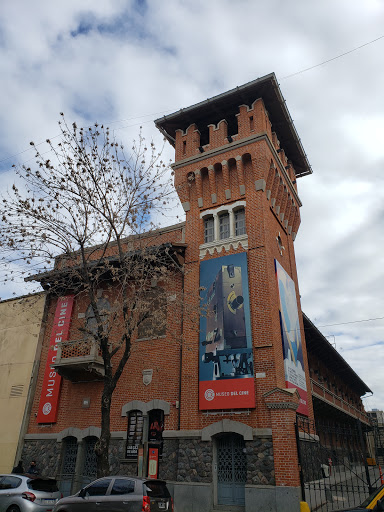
x=181 y=347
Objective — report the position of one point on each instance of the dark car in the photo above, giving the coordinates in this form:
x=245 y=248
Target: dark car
x=119 y=494
x=374 y=502
x=28 y=493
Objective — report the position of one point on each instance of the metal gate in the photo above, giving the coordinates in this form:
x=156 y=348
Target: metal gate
x=334 y=468
x=68 y=466
x=90 y=461
x=231 y=470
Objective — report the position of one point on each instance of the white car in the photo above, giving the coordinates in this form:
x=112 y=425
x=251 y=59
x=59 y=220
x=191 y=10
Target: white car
x=27 y=493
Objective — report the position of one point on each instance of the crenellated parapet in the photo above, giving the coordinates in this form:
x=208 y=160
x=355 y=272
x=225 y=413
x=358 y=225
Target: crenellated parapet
x=239 y=146
x=187 y=142
x=253 y=119
x=204 y=183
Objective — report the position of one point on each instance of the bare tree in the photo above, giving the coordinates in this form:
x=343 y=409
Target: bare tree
x=85 y=220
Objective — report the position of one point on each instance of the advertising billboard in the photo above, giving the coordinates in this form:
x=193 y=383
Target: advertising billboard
x=226 y=378
x=290 y=332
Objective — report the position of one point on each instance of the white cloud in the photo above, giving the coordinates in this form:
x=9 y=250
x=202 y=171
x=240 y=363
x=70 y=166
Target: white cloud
x=119 y=61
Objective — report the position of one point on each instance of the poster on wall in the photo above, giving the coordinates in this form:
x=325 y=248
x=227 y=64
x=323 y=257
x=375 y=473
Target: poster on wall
x=226 y=378
x=49 y=397
x=291 y=337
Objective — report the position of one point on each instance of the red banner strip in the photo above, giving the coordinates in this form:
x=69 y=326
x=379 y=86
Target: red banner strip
x=49 y=398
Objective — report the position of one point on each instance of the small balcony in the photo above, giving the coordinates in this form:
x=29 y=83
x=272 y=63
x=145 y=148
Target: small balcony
x=79 y=361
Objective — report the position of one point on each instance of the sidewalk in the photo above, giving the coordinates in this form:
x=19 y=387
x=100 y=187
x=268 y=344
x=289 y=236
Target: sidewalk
x=345 y=487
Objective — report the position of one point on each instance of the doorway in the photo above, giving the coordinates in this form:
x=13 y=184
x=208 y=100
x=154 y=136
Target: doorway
x=231 y=470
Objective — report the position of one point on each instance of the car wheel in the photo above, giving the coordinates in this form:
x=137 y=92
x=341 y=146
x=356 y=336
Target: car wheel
x=13 y=508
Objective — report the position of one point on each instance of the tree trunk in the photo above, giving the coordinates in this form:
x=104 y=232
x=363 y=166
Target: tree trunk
x=102 y=445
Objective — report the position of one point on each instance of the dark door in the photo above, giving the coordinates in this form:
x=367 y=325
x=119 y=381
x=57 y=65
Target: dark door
x=231 y=470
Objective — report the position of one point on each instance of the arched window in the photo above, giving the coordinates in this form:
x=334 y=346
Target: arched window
x=224 y=229
x=134 y=434
x=156 y=427
x=90 y=460
x=225 y=222
x=240 y=222
x=68 y=466
x=69 y=456
x=209 y=229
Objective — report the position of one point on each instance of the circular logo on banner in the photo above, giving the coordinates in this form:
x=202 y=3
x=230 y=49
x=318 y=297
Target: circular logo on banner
x=209 y=394
x=47 y=408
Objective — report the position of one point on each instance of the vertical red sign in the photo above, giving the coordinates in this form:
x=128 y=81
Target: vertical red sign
x=49 y=397
x=153 y=462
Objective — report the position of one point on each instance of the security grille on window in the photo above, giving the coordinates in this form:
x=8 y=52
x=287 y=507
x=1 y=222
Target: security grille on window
x=90 y=459
x=224 y=226
x=209 y=230
x=135 y=434
x=240 y=222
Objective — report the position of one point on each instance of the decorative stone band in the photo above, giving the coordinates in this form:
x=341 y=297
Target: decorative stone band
x=282 y=405
x=227 y=244
x=282 y=398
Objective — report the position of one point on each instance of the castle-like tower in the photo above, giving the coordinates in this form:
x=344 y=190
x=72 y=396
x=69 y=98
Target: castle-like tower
x=244 y=368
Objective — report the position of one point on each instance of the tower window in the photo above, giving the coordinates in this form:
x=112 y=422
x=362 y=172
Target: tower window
x=209 y=230
x=240 y=222
x=224 y=226
x=251 y=123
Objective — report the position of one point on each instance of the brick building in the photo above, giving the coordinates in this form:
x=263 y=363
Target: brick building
x=225 y=398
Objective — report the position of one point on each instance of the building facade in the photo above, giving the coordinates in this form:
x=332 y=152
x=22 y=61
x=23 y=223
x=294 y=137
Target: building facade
x=220 y=404
x=20 y=345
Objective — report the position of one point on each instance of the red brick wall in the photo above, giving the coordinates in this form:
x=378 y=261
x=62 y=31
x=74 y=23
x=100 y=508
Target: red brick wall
x=160 y=354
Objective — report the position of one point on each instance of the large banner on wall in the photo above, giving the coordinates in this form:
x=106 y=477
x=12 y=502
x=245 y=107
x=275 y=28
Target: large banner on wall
x=49 y=398
x=290 y=332
x=226 y=379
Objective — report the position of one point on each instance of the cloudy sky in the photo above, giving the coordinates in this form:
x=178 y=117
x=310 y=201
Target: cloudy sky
x=128 y=62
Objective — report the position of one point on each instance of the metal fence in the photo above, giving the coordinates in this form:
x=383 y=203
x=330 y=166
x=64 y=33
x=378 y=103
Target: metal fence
x=334 y=469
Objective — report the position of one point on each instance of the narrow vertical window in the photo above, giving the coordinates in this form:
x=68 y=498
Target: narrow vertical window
x=156 y=428
x=240 y=222
x=184 y=147
x=134 y=434
x=251 y=123
x=224 y=226
x=209 y=230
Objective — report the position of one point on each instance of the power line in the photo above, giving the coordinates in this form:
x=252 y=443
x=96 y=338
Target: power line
x=353 y=322
x=333 y=58
x=309 y=328
x=171 y=110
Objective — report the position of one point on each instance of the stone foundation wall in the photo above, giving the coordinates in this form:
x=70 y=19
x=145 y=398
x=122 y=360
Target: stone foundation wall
x=260 y=463
x=183 y=460
x=194 y=461
x=46 y=453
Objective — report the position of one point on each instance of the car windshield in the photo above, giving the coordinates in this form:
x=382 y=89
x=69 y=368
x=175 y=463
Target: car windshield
x=156 y=489
x=371 y=497
x=40 y=484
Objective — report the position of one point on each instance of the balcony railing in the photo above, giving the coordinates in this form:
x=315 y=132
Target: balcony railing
x=79 y=360
x=320 y=391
